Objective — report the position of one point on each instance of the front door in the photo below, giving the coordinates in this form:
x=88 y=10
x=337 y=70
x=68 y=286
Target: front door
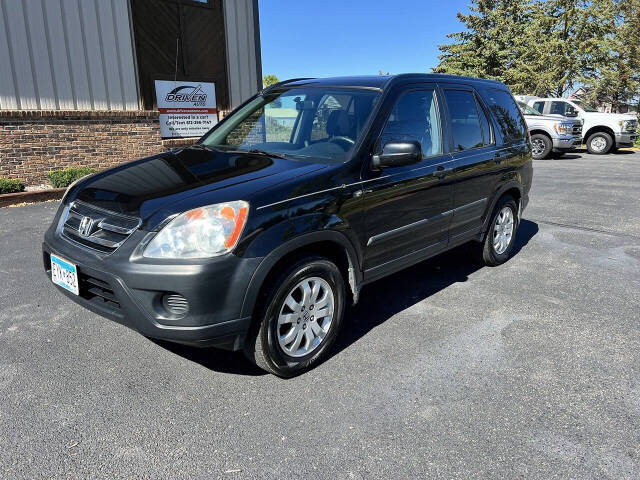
x=408 y=207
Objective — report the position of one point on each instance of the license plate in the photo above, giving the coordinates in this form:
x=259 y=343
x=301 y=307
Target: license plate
x=64 y=273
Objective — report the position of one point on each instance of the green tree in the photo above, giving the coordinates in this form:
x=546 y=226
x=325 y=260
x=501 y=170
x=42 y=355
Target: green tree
x=617 y=80
x=268 y=80
x=541 y=47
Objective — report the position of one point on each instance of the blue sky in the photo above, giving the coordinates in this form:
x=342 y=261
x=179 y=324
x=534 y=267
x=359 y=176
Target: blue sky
x=320 y=38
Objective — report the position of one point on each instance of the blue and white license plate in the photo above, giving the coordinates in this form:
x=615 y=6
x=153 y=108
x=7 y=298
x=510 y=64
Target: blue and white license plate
x=64 y=273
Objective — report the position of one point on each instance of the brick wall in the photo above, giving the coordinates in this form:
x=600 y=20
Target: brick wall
x=33 y=143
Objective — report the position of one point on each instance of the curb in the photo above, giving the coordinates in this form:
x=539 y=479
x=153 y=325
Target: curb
x=30 y=197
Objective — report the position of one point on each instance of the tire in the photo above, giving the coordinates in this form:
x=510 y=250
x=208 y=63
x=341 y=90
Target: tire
x=272 y=346
x=599 y=143
x=541 y=146
x=491 y=254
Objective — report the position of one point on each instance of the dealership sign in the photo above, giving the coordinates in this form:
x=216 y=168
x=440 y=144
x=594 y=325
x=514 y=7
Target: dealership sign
x=187 y=109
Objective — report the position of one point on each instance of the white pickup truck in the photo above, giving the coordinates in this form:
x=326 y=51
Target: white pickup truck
x=601 y=132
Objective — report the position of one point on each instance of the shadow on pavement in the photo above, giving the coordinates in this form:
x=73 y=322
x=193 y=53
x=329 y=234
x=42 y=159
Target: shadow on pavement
x=385 y=298
x=378 y=302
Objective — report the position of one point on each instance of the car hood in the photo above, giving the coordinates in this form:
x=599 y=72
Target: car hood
x=146 y=186
x=616 y=117
x=551 y=118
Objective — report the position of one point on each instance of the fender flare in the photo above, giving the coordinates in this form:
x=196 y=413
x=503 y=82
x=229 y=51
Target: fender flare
x=268 y=262
x=509 y=185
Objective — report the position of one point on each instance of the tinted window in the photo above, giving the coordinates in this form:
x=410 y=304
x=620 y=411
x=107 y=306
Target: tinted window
x=510 y=120
x=539 y=106
x=415 y=117
x=558 y=108
x=465 y=120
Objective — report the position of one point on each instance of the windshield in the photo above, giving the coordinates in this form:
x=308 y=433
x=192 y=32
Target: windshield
x=584 y=106
x=312 y=123
x=527 y=110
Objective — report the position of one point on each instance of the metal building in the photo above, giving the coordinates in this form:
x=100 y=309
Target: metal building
x=99 y=55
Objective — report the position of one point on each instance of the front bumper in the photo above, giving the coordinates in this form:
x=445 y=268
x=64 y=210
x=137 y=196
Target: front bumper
x=565 y=143
x=626 y=139
x=129 y=290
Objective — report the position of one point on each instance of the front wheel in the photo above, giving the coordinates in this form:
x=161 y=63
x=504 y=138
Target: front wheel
x=541 y=146
x=299 y=319
x=500 y=238
x=599 y=143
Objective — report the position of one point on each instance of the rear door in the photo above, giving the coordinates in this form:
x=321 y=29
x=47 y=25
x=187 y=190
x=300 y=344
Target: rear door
x=408 y=207
x=477 y=162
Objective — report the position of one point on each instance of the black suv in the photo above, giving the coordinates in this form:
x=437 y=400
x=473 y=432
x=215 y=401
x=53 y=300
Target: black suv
x=257 y=236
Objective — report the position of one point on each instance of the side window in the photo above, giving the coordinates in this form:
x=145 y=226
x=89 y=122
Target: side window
x=539 y=106
x=558 y=108
x=415 y=117
x=509 y=117
x=465 y=119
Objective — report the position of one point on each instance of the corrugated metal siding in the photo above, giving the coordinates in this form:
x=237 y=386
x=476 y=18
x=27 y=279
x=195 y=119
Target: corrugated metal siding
x=66 y=55
x=243 y=49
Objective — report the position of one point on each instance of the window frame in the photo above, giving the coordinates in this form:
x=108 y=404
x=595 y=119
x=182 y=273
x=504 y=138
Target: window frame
x=405 y=91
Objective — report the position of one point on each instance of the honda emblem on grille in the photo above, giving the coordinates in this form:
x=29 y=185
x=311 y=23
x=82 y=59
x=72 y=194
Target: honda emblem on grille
x=86 y=224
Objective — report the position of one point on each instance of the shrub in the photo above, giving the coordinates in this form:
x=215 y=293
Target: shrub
x=637 y=144
x=11 y=185
x=64 y=178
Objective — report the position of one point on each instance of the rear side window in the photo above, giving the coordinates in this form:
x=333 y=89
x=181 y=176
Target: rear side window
x=539 y=106
x=466 y=124
x=510 y=120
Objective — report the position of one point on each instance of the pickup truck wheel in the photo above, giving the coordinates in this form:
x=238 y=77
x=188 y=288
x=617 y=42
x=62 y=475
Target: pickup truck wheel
x=300 y=318
x=599 y=143
x=541 y=146
x=500 y=238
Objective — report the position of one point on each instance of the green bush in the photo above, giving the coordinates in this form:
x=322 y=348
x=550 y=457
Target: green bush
x=637 y=144
x=11 y=185
x=64 y=178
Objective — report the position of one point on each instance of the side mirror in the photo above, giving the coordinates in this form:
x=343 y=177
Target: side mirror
x=397 y=154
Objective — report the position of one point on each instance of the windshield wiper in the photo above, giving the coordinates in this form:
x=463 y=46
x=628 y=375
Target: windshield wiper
x=265 y=153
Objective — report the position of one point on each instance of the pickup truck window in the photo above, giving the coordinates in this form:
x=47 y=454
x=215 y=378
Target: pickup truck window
x=539 y=106
x=465 y=120
x=415 y=117
x=584 y=106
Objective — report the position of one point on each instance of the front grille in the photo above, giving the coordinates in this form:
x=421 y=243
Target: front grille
x=96 y=228
x=97 y=291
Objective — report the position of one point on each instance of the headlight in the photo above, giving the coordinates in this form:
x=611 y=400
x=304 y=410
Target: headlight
x=563 y=128
x=627 y=125
x=200 y=233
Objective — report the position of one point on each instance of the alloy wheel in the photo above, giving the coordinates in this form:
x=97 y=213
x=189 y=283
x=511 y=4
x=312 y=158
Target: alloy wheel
x=503 y=230
x=305 y=317
x=598 y=144
x=538 y=146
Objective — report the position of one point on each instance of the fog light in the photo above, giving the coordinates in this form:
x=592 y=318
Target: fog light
x=175 y=304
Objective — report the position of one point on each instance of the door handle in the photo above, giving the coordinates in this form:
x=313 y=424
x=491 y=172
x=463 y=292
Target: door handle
x=441 y=172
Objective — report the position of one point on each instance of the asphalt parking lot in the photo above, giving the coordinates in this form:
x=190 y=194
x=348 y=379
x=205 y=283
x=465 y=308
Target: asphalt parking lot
x=530 y=369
